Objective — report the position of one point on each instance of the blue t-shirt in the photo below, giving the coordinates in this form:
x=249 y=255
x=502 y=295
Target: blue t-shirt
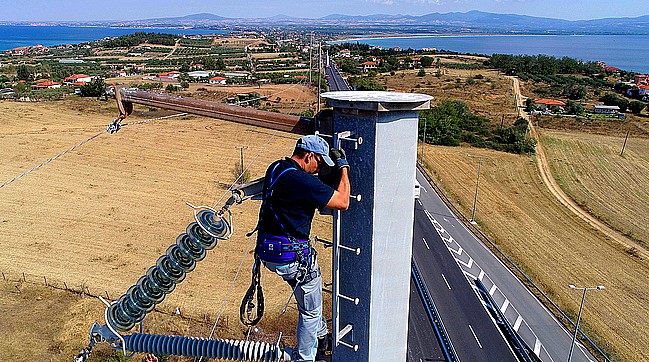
x=294 y=198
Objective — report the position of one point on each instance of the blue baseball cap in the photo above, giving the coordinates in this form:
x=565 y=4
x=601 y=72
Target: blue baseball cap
x=315 y=144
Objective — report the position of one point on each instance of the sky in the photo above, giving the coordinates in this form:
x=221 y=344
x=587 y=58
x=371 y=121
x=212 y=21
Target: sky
x=79 y=10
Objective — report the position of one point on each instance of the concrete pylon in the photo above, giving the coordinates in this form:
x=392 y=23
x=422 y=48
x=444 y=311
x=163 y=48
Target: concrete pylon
x=371 y=289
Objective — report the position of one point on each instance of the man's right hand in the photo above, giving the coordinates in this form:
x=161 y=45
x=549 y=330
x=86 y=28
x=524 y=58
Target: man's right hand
x=339 y=157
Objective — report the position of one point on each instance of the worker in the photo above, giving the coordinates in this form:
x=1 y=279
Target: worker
x=291 y=195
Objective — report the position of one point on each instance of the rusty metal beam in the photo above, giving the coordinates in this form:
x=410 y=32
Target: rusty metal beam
x=271 y=120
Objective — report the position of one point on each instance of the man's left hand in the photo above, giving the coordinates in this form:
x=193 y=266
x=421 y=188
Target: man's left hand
x=339 y=157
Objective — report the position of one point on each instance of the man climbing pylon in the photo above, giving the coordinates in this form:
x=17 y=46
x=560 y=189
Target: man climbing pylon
x=291 y=195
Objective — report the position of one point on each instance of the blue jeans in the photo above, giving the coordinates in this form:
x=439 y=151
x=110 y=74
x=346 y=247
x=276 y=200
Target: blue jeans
x=310 y=324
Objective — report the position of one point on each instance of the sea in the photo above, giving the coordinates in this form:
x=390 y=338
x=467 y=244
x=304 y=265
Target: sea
x=13 y=36
x=628 y=52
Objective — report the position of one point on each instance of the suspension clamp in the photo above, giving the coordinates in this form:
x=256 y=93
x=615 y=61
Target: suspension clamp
x=115 y=125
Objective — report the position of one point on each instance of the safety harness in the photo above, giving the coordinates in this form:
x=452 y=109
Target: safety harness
x=279 y=249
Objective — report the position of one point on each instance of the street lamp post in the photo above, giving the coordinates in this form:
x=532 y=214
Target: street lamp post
x=477 y=184
x=581 y=307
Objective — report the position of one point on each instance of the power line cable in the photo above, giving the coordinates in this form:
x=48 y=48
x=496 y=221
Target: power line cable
x=81 y=144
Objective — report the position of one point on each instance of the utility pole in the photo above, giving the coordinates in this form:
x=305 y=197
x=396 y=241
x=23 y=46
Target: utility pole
x=624 y=145
x=310 y=58
x=241 y=148
x=477 y=184
x=319 y=73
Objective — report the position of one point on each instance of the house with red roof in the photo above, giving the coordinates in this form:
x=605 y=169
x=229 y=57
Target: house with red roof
x=549 y=102
x=47 y=84
x=545 y=103
x=639 y=79
x=218 y=80
x=367 y=66
x=611 y=68
x=78 y=79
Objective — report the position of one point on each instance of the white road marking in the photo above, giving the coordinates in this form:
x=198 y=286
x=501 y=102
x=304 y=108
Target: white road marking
x=518 y=322
x=446 y=281
x=445 y=219
x=504 y=306
x=427 y=247
x=472 y=277
x=448 y=239
x=420 y=204
x=474 y=336
x=537 y=347
x=493 y=289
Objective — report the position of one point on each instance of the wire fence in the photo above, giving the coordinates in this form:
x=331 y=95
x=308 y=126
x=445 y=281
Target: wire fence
x=85 y=290
x=559 y=313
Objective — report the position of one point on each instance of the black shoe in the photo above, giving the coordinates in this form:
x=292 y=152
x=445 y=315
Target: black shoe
x=324 y=348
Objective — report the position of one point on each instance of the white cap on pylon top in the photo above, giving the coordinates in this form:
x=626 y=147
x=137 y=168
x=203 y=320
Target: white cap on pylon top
x=378 y=101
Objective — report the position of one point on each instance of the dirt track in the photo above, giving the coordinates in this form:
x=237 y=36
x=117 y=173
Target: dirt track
x=555 y=189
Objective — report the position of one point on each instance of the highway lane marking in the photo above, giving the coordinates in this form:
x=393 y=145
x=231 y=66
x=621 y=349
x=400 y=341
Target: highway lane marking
x=493 y=290
x=472 y=278
x=427 y=247
x=448 y=239
x=446 y=281
x=420 y=204
x=517 y=324
x=476 y=337
x=504 y=306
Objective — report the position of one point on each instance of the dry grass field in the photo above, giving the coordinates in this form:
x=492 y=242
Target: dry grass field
x=490 y=96
x=591 y=171
x=98 y=217
x=551 y=244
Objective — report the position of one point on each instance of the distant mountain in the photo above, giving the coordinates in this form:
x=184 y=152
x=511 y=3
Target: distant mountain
x=453 y=22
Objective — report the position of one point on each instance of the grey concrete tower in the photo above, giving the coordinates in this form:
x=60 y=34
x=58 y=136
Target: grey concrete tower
x=371 y=288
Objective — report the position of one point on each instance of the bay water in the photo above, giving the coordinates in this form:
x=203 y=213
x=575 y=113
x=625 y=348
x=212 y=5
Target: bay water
x=628 y=52
x=14 y=36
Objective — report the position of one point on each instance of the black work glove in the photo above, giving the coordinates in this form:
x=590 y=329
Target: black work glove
x=339 y=157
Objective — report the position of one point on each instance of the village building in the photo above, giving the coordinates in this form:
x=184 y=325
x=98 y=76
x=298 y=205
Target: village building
x=367 y=66
x=601 y=109
x=218 y=80
x=345 y=53
x=47 y=84
x=639 y=79
x=544 y=103
x=198 y=74
x=78 y=79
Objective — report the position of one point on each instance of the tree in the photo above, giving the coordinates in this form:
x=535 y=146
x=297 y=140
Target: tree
x=575 y=91
x=530 y=105
x=575 y=108
x=426 y=61
x=636 y=107
x=96 y=88
x=422 y=72
x=24 y=72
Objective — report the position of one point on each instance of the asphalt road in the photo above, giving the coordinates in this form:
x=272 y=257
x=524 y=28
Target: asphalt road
x=536 y=326
x=422 y=341
x=473 y=333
